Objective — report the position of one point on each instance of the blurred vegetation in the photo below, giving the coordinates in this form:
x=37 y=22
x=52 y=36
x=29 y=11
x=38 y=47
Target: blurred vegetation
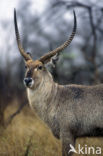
x=80 y=63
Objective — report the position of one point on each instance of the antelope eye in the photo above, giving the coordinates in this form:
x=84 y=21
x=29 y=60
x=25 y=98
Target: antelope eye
x=40 y=67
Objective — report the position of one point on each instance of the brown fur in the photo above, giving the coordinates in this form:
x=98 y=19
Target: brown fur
x=70 y=111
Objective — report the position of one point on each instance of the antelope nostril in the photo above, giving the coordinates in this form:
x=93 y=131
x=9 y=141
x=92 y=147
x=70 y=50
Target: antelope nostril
x=27 y=80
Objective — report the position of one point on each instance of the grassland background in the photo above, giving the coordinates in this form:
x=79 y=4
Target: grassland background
x=27 y=135
x=44 y=27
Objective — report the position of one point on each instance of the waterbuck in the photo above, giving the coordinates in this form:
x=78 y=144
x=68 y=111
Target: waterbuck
x=70 y=111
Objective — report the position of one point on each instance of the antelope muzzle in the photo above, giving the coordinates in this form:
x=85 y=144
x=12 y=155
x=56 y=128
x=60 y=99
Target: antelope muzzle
x=28 y=82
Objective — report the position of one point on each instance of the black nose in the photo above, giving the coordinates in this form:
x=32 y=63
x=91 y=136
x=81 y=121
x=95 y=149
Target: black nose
x=27 y=80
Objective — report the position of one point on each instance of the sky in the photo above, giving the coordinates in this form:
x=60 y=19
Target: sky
x=7 y=6
x=6 y=14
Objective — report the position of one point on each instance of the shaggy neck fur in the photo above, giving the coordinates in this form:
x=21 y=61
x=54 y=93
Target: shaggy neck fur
x=41 y=98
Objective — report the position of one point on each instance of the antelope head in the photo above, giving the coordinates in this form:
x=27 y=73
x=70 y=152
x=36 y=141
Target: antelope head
x=35 y=69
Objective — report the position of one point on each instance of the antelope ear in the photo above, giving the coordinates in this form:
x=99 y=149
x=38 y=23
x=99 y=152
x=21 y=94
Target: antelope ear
x=29 y=54
x=53 y=60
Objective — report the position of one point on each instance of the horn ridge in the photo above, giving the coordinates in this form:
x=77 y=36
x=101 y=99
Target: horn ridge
x=22 y=51
x=46 y=57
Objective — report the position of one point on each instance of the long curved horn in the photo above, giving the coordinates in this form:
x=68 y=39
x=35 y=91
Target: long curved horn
x=22 y=51
x=46 y=57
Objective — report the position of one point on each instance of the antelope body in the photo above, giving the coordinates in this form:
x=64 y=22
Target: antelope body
x=70 y=111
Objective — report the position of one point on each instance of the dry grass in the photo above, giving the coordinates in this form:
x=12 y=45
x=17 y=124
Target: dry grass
x=27 y=135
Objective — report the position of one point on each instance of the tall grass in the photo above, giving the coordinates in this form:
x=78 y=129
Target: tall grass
x=27 y=135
